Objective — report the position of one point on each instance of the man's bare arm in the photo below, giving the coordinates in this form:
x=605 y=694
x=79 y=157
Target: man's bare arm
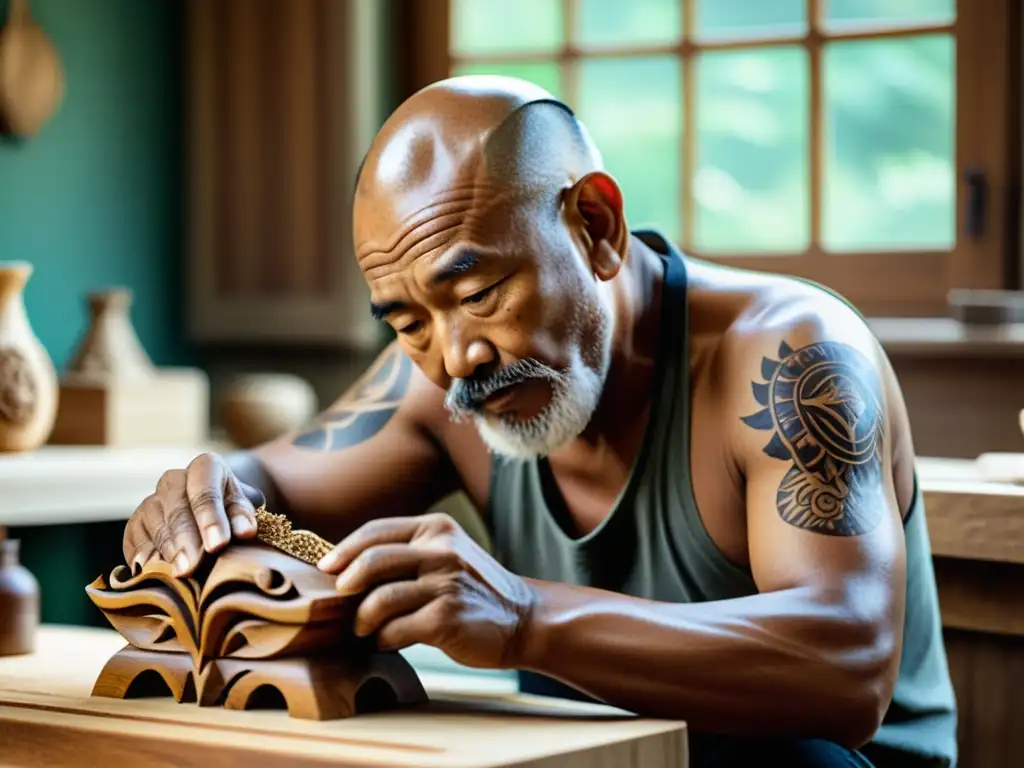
x=368 y=455
x=815 y=653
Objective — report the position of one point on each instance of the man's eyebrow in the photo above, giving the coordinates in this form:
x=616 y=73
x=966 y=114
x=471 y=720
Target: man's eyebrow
x=382 y=310
x=463 y=262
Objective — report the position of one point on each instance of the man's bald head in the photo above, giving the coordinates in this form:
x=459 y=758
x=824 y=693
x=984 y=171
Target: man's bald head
x=488 y=233
x=489 y=135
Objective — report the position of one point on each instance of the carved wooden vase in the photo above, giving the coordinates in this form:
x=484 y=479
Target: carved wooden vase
x=19 y=602
x=28 y=378
x=253 y=625
x=110 y=347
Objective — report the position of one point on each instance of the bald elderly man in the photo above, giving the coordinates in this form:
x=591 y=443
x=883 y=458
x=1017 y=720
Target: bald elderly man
x=699 y=482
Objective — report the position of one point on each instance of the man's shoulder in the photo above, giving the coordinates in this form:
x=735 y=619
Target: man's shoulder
x=782 y=316
x=788 y=343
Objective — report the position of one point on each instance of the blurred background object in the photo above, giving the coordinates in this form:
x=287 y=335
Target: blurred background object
x=28 y=379
x=112 y=394
x=19 y=602
x=110 y=347
x=257 y=408
x=31 y=73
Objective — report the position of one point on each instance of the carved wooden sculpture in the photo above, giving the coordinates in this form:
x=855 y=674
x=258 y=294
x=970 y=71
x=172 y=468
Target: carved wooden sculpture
x=255 y=624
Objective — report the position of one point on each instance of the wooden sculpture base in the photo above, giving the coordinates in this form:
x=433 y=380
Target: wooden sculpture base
x=311 y=688
x=256 y=625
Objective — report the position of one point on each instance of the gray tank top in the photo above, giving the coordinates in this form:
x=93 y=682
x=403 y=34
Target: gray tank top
x=653 y=544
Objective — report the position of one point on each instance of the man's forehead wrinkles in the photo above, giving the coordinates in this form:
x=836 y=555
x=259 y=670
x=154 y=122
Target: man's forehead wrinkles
x=417 y=242
x=430 y=244
x=454 y=201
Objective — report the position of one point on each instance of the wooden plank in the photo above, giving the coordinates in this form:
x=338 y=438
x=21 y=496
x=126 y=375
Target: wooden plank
x=970 y=517
x=981 y=596
x=976 y=521
x=46 y=709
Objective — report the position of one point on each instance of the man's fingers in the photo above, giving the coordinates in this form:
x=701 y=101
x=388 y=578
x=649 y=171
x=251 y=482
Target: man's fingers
x=160 y=537
x=389 y=601
x=136 y=546
x=142 y=556
x=425 y=625
x=184 y=532
x=204 y=491
x=240 y=511
x=390 y=530
x=387 y=562
x=129 y=543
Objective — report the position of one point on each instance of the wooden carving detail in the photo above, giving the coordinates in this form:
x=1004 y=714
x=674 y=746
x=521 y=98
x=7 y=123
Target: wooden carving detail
x=251 y=619
x=18 y=389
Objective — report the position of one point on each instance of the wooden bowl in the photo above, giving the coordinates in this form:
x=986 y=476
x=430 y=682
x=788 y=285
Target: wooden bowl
x=256 y=408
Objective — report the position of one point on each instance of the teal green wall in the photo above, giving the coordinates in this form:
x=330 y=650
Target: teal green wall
x=93 y=200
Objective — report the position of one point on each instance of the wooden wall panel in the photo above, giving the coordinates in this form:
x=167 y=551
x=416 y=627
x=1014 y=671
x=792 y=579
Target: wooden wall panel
x=283 y=101
x=962 y=406
x=983 y=619
x=988 y=674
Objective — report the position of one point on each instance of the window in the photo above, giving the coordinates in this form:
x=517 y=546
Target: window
x=845 y=141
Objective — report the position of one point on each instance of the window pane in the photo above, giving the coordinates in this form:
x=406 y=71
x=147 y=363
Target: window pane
x=545 y=74
x=889 y=173
x=610 y=22
x=491 y=26
x=633 y=110
x=751 y=183
x=888 y=13
x=750 y=18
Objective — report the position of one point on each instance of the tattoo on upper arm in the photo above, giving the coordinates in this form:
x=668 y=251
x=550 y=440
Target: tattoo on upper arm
x=823 y=403
x=368 y=406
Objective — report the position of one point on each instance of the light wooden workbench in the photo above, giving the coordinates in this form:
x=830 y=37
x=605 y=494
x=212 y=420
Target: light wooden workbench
x=977 y=534
x=47 y=717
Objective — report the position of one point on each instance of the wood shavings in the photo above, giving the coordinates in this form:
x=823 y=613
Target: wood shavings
x=276 y=531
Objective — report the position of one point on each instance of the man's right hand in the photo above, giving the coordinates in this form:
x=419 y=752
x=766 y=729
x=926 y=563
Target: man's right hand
x=192 y=510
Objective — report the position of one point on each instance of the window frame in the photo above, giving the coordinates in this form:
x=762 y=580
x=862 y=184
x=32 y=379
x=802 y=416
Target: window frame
x=904 y=283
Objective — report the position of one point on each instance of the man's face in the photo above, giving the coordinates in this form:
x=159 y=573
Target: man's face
x=493 y=298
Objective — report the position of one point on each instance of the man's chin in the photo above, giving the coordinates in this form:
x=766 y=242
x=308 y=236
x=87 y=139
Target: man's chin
x=522 y=439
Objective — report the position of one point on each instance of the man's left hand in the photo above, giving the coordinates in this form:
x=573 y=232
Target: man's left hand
x=424 y=580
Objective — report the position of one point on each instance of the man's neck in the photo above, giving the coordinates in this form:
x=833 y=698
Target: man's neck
x=636 y=298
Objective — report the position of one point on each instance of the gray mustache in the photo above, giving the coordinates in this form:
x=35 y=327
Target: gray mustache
x=468 y=395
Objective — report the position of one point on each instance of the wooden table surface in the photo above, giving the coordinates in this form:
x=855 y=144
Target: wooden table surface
x=47 y=717
x=974 y=513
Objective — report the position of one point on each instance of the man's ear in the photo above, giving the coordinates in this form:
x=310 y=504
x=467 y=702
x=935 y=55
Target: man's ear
x=597 y=202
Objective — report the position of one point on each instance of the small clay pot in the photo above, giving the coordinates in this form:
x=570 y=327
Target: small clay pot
x=256 y=408
x=19 y=602
x=110 y=349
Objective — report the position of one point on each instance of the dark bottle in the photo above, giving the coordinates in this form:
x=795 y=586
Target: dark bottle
x=19 y=602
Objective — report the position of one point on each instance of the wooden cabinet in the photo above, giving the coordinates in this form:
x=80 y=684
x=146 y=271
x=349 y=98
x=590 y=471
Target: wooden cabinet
x=283 y=98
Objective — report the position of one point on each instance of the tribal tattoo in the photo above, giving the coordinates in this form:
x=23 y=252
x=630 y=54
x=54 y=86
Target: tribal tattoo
x=823 y=403
x=364 y=411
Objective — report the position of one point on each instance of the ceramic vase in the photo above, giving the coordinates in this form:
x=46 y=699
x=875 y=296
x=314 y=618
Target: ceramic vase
x=19 y=602
x=28 y=379
x=256 y=408
x=110 y=347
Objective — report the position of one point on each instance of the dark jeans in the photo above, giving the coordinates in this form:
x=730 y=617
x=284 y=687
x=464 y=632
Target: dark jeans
x=709 y=751
x=729 y=752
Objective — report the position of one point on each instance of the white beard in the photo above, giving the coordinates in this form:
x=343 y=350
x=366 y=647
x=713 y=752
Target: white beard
x=576 y=392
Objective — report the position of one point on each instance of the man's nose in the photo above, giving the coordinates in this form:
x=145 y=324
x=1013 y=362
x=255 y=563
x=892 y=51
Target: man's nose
x=467 y=355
